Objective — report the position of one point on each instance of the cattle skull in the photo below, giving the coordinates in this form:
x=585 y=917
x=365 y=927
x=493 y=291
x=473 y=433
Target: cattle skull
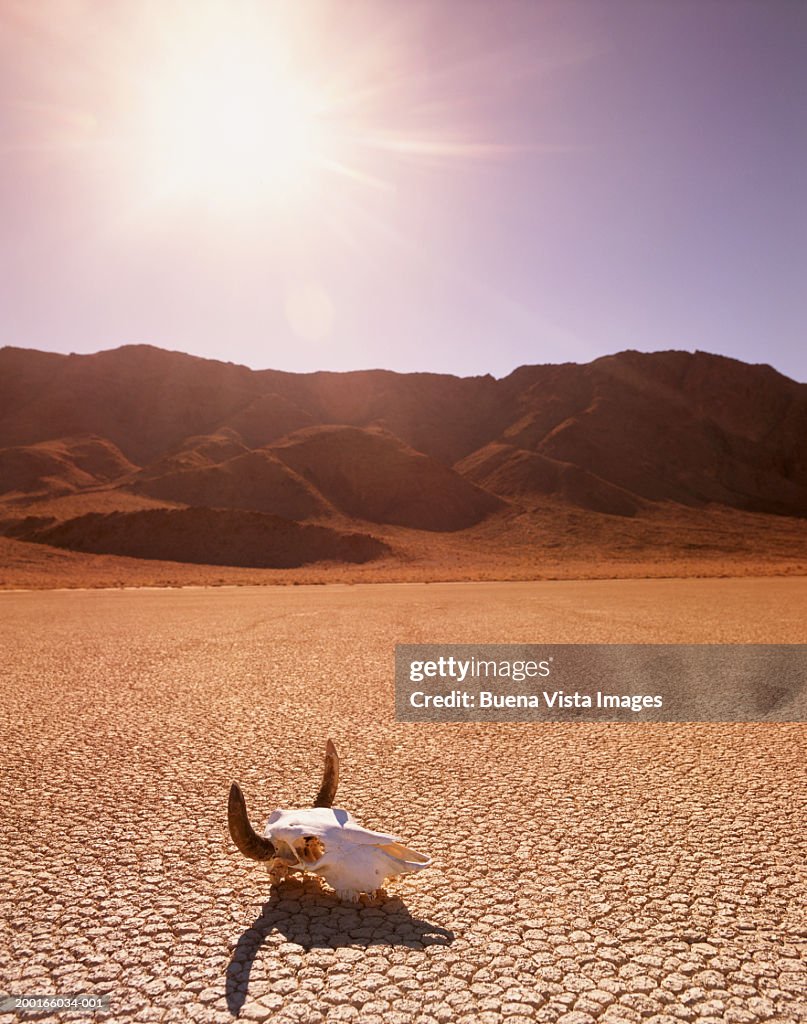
x=323 y=840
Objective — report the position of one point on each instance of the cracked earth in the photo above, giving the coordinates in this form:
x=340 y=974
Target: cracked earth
x=583 y=872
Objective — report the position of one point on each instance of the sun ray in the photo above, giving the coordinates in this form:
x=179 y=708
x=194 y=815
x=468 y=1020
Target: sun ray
x=255 y=106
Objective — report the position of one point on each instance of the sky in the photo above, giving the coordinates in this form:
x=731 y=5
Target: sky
x=460 y=187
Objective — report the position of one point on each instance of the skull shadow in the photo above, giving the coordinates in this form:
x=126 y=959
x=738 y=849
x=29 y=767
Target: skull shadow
x=315 y=918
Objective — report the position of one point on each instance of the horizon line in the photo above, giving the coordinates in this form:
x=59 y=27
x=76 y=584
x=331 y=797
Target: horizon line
x=402 y=373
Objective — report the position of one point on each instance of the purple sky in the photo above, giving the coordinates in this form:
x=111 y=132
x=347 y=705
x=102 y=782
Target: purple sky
x=490 y=184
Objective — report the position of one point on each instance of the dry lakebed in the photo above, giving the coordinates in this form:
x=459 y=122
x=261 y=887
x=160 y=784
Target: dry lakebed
x=582 y=872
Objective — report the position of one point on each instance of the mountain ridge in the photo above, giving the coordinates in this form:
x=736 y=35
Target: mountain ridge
x=615 y=437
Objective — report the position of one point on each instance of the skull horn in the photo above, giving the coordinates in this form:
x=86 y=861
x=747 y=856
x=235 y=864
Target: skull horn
x=244 y=835
x=330 y=778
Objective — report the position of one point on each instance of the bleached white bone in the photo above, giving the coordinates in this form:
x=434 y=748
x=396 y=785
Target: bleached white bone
x=325 y=841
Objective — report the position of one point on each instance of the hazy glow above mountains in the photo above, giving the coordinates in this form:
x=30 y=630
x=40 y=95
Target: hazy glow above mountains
x=441 y=186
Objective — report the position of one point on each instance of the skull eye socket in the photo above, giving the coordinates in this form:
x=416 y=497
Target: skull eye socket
x=312 y=849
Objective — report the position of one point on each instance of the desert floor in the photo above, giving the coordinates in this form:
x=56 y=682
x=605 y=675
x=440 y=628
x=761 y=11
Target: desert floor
x=582 y=872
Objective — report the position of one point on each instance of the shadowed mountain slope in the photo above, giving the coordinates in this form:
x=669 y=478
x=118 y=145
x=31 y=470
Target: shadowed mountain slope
x=254 y=480
x=428 y=451
x=671 y=425
x=371 y=474
x=515 y=472
x=61 y=467
x=205 y=536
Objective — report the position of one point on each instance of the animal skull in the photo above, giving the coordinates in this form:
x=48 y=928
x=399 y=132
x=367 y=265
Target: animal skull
x=323 y=840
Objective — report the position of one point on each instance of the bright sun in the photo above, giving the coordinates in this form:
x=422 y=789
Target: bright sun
x=228 y=124
x=245 y=104
x=287 y=107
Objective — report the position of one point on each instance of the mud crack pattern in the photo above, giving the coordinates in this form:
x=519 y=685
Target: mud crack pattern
x=609 y=873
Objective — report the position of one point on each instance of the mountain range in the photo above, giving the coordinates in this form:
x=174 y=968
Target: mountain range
x=143 y=452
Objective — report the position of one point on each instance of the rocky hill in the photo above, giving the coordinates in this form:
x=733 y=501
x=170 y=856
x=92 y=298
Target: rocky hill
x=349 y=452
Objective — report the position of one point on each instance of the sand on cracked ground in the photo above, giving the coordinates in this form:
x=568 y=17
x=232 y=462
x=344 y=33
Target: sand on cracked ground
x=582 y=872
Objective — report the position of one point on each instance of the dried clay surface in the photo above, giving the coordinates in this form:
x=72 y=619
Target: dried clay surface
x=609 y=872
